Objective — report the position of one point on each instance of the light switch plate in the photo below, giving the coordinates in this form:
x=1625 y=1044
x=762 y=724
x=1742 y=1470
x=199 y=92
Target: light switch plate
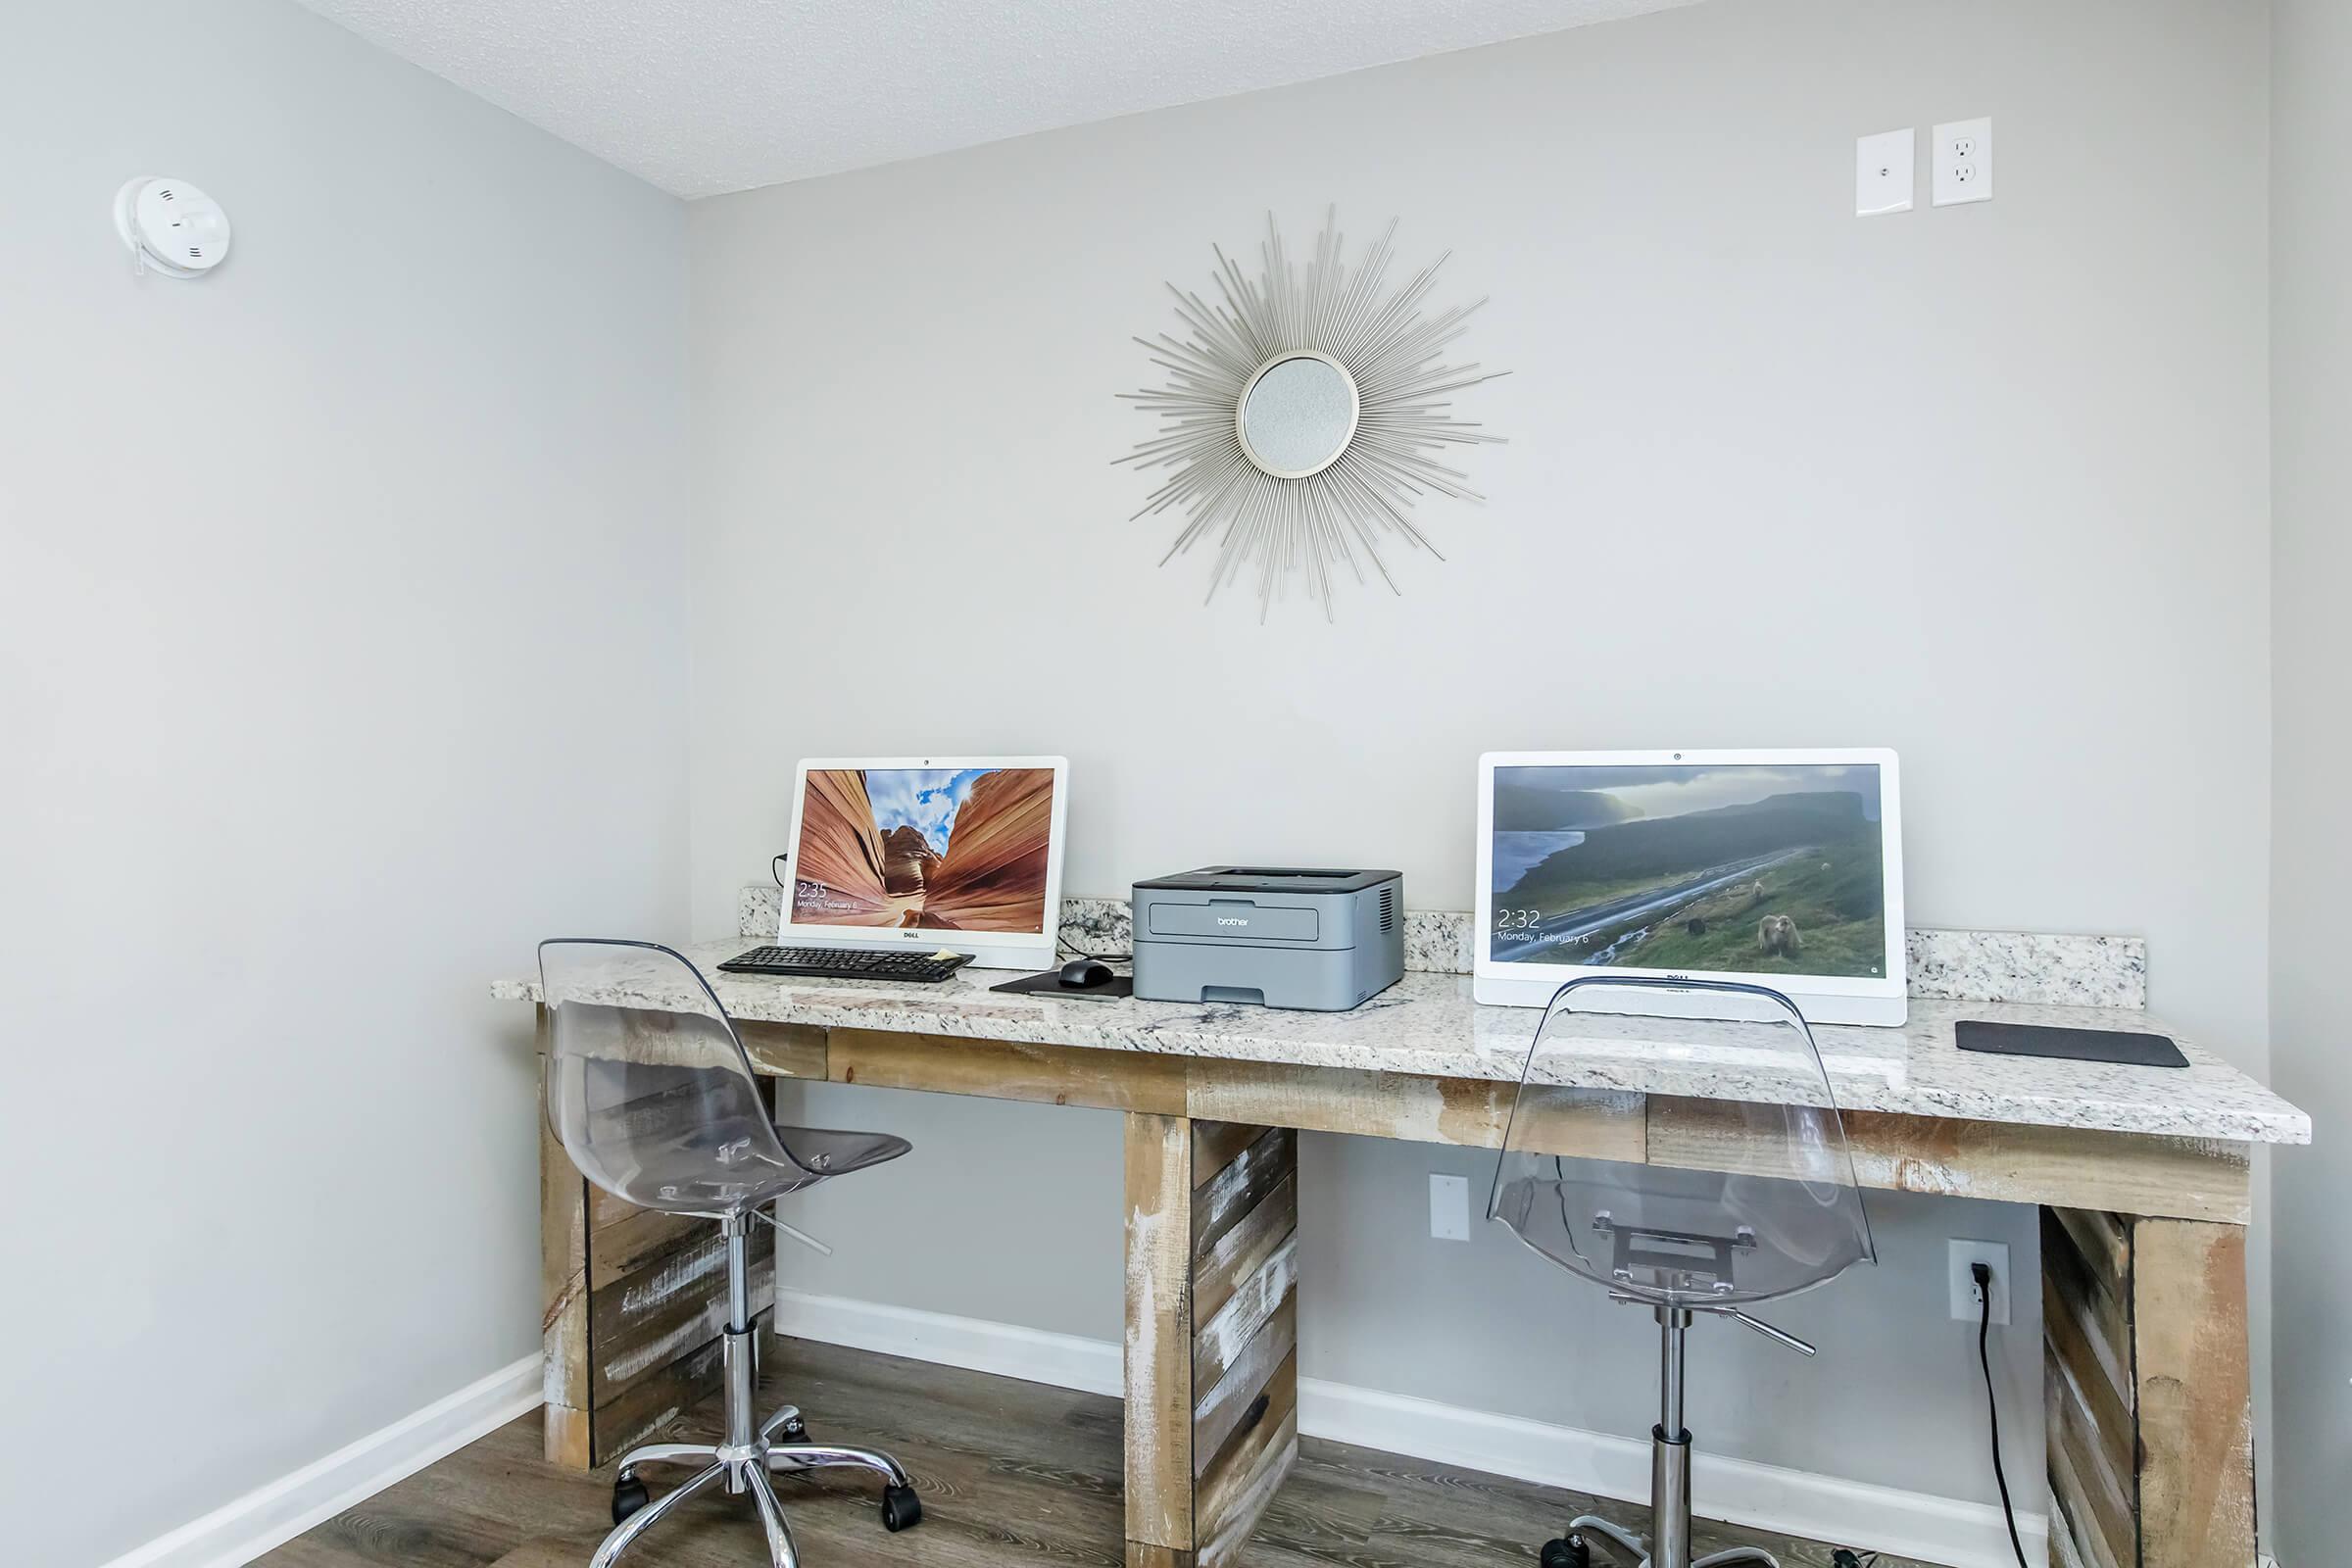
x=1883 y=178
x=1449 y=1207
x=1963 y=162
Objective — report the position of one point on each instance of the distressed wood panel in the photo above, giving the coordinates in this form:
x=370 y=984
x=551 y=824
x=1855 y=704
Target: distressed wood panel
x=1149 y=1555
x=2092 y=1504
x=996 y=1069
x=786 y=1049
x=1220 y=1273
x=1465 y=1112
x=563 y=1290
x=653 y=1402
x=1224 y=1409
x=2103 y=1240
x=1229 y=1196
x=2088 y=1391
x=1469 y=1113
x=1159 y=1360
x=2097 y=1290
x=2131 y=1173
x=2196 y=1408
x=672 y=1306
x=567 y=1437
x=2087 y=1337
x=1216 y=1144
x=1245 y=1348
x=1234 y=1493
x=1223 y=1335
x=623 y=1240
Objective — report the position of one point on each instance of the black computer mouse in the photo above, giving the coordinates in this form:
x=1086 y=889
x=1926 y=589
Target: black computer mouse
x=1084 y=975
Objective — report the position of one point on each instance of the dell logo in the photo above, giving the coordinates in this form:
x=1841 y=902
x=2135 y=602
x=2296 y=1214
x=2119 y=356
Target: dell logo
x=1232 y=919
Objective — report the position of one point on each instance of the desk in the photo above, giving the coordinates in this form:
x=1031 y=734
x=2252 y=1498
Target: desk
x=2142 y=1176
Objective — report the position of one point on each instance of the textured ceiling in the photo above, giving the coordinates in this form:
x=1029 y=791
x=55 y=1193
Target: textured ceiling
x=706 y=96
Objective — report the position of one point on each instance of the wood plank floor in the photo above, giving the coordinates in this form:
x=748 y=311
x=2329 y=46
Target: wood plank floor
x=1013 y=1475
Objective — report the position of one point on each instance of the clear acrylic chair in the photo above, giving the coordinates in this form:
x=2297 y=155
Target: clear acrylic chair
x=1684 y=1244
x=652 y=1095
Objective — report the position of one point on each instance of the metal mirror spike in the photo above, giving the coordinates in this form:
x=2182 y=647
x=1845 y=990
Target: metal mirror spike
x=1301 y=417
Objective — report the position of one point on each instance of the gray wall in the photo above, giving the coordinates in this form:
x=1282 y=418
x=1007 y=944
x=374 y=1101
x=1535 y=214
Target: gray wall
x=2311 y=382
x=1987 y=484
x=310 y=573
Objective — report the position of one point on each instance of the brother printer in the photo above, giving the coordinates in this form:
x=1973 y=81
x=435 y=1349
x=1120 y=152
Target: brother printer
x=1323 y=941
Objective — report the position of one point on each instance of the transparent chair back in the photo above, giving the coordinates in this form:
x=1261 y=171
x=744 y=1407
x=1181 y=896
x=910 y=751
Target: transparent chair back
x=1788 y=1218
x=655 y=1100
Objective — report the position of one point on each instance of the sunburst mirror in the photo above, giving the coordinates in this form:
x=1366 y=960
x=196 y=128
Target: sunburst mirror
x=1300 y=415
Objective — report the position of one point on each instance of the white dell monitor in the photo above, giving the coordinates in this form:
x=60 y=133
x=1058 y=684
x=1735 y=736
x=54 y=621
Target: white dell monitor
x=1780 y=868
x=922 y=854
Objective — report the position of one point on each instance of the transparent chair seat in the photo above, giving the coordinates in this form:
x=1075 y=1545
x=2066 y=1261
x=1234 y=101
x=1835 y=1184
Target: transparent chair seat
x=1788 y=1219
x=652 y=1094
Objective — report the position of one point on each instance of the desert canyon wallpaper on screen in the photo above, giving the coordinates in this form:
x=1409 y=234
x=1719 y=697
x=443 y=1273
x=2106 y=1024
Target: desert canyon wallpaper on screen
x=940 y=848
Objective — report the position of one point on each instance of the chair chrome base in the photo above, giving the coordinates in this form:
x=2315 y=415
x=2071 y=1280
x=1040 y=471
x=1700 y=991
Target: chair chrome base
x=747 y=1458
x=1669 y=1474
x=1631 y=1544
x=1670 y=1512
x=748 y=1469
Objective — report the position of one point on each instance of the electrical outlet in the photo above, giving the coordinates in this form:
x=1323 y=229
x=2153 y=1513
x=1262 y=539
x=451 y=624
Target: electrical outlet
x=1966 y=1308
x=1449 y=1207
x=1882 y=173
x=1963 y=162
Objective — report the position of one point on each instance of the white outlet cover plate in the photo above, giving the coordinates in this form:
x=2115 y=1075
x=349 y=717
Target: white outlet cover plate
x=1883 y=172
x=1449 y=1207
x=1963 y=162
x=1964 y=1285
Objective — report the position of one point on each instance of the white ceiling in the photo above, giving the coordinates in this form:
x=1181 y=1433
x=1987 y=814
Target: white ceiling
x=706 y=96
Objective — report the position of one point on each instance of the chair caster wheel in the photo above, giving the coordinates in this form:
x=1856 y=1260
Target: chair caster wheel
x=795 y=1430
x=902 y=1509
x=1571 y=1552
x=628 y=1496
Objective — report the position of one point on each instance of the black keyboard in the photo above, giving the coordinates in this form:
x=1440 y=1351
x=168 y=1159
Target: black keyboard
x=847 y=963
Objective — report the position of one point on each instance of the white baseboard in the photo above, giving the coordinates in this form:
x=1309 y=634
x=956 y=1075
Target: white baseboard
x=1760 y=1496
x=268 y=1516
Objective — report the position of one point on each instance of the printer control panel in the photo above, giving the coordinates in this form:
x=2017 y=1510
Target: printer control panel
x=1233 y=917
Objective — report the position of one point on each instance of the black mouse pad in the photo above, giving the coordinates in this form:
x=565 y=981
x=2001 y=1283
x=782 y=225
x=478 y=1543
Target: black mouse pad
x=1118 y=985
x=2126 y=1047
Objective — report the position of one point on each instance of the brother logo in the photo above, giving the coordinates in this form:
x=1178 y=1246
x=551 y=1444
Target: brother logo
x=1232 y=919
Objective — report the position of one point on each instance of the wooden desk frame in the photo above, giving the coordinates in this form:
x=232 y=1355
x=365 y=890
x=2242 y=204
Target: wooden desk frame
x=2150 y=1453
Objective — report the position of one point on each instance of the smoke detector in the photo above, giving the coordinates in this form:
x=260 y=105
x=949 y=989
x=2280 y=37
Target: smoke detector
x=172 y=227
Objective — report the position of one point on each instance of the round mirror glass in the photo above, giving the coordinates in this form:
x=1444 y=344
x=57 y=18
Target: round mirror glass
x=1298 y=415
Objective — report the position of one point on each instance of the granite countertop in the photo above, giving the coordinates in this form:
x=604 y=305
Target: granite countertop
x=1427 y=1024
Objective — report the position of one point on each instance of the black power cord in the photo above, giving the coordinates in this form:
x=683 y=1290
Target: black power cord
x=1982 y=1273
x=1077 y=952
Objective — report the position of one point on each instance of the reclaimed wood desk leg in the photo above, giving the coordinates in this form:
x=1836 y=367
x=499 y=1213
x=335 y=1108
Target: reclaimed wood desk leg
x=2146 y=1382
x=563 y=1293
x=1213 y=1326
